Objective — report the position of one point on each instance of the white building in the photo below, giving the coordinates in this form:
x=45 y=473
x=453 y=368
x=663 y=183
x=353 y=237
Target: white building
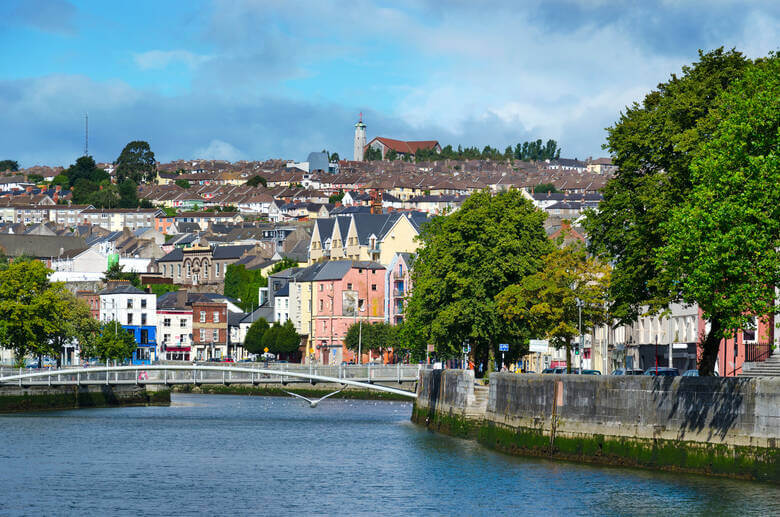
x=136 y=312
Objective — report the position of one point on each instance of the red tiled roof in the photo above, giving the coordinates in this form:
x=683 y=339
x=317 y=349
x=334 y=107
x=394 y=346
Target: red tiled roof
x=400 y=146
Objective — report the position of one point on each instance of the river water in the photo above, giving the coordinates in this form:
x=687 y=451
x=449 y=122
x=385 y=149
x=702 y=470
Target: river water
x=237 y=455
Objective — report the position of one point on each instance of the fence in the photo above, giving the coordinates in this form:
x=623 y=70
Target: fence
x=757 y=352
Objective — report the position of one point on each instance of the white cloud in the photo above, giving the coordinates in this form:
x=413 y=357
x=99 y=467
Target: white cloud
x=219 y=150
x=161 y=59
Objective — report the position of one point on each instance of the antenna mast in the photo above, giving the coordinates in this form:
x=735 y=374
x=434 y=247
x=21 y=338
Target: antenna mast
x=86 y=134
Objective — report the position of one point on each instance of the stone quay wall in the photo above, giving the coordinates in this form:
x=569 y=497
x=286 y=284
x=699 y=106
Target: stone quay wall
x=37 y=398
x=717 y=426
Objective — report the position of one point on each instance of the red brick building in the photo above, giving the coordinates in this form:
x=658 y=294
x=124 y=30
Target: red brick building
x=209 y=330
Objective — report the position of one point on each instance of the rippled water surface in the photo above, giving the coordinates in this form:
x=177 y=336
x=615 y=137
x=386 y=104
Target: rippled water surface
x=232 y=455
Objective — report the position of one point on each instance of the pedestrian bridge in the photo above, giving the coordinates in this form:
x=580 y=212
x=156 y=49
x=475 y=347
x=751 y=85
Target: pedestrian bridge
x=169 y=375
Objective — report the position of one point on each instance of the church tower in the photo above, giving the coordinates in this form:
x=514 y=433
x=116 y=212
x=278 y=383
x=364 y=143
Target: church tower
x=360 y=139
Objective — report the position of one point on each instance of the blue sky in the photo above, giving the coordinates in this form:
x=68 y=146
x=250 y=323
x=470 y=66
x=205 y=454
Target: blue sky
x=278 y=79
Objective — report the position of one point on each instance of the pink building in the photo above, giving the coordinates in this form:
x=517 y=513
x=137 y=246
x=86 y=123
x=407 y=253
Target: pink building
x=751 y=345
x=345 y=292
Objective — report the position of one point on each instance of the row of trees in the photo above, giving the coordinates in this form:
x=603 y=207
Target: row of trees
x=692 y=216
x=275 y=339
x=533 y=150
x=38 y=318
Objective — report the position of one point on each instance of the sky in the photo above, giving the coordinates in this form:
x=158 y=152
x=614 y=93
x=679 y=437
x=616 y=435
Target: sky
x=253 y=80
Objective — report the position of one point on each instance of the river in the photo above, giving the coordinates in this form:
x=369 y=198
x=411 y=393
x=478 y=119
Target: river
x=237 y=455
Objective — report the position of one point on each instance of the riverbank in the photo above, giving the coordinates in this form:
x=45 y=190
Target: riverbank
x=719 y=427
x=38 y=398
x=304 y=389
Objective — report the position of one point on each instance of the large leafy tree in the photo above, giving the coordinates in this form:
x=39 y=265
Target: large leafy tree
x=85 y=169
x=551 y=301
x=112 y=343
x=722 y=242
x=136 y=161
x=28 y=308
x=465 y=260
x=652 y=144
x=73 y=323
x=254 y=336
x=117 y=272
x=243 y=285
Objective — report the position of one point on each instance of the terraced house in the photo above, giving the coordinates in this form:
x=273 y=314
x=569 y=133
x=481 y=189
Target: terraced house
x=374 y=237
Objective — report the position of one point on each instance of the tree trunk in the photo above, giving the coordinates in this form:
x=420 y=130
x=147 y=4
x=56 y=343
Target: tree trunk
x=568 y=357
x=710 y=348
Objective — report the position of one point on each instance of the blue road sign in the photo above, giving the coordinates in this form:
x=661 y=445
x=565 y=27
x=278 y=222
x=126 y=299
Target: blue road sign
x=503 y=347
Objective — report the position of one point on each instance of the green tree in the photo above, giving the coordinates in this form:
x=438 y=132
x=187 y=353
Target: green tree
x=86 y=169
x=391 y=155
x=106 y=196
x=371 y=154
x=652 y=145
x=466 y=259
x=545 y=187
x=185 y=184
x=28 y=308
x=285 y=263
x=116 y=272
x=61 y=180
x=254 y=336
x=9 y=165
x=170 y=211
x=334 y=157
x=35 y=178
x=722 y=241
x=243 y=285
x=257 y=180
x=136 y=161
x=336 y=198
x=73 y=323
x=112 y=343
x=281 y=339
x=547 y=301
x=128 y=194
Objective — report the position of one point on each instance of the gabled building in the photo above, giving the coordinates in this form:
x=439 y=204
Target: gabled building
x=402 y=148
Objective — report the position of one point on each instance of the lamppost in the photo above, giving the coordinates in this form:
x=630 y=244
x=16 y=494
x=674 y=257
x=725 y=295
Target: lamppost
x=582 y=338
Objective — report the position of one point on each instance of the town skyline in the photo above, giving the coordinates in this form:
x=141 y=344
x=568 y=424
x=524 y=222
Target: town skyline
x=254 y=81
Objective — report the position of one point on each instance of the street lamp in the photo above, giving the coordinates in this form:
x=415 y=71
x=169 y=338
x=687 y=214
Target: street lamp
x=582 y=341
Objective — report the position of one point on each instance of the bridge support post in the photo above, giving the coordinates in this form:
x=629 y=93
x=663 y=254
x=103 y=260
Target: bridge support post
x=78 y=379
x=20 y=378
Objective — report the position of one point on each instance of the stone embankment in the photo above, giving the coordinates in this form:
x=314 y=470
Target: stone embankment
x=716 y=426
x=15 y=399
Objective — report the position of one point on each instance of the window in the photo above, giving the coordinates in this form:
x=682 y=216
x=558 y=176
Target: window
x=130 y=319
x=320 y=287
x=203 y=316
x=143 y=319
x=178 y=268
x=167 y=322
x=216 y=269
x=373 y=271
x=400 y=270
x=373 y=287
x=129 y=303
x=182 y=323
x=143 y=303
x=216 y=317
x=165 y=270
x=189 y=270
x=166 y=338
x=202 y=335
x=215 y=335
x=321 y=302
x=349 y=287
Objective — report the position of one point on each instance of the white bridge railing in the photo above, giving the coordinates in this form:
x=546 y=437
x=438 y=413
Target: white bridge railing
x=363 y=376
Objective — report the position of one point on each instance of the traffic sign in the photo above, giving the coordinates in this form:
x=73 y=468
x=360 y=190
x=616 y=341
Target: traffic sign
x=265 y=350
x=503 y=347
x=538 y=345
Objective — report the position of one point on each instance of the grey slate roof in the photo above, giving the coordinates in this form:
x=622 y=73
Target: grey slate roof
x=123 y=289
x=230 y=252
x=264 y=311
x=40 y=246
x=176 y=255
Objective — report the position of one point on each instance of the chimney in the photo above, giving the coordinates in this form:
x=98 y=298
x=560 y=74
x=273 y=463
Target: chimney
x=181 y=298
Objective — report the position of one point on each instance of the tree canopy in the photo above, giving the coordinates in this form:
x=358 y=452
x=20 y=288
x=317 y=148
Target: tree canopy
x=548 y=301
x=465 y=260
x=721 y=243
x=136 y=161
x=112 y=343
x=185 y=184
x=281 y=339
x=257 y=180
x=9 y=165
x=652 y=144
x=371 y=336
x=253 y=341
x=117 y=272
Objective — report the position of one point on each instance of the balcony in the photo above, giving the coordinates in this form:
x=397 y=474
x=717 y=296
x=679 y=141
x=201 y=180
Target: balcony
x=399 y=293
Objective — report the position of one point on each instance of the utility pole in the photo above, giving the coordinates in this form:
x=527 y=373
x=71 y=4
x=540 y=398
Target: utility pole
x=582 y=338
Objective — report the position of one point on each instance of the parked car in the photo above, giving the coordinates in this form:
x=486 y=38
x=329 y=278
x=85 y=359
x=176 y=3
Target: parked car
x=591 y=372
x=695 y=373
x=628 y=371
x=548 y=370
x=228 y=360
x=663 y=372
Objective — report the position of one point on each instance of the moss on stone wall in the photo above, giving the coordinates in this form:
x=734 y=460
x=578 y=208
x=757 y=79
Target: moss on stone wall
x=80 y=397
x=702 y=458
